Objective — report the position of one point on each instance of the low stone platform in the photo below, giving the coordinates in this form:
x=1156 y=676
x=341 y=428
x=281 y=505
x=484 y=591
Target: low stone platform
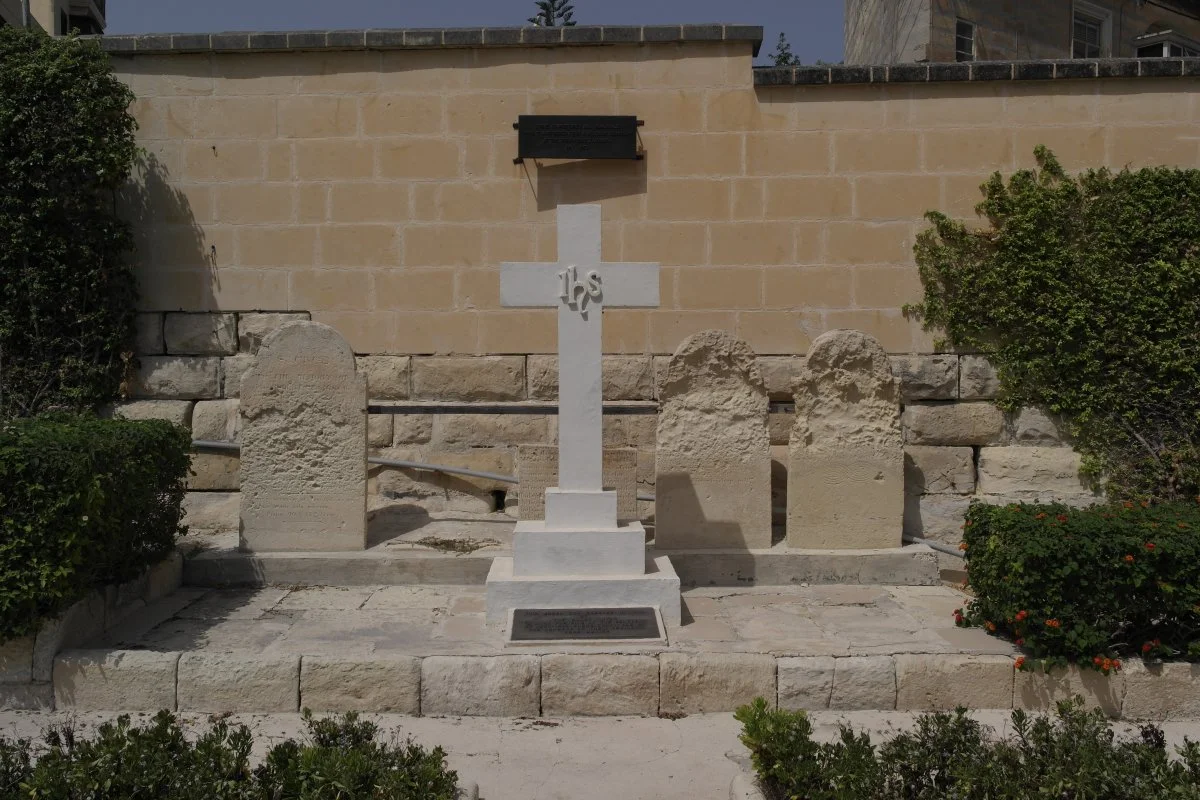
x=412 y=546
x=425 y=650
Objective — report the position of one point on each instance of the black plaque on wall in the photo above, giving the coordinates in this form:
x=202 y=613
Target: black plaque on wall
x=577 y=137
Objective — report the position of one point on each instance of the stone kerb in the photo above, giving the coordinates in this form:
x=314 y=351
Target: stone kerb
x=713 y=459
x=846 y=456
x=304 y=443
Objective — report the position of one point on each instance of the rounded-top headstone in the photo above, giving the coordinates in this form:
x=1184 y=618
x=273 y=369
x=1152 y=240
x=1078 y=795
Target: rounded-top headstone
x=304 y=443
x=713 y=458
x=846 y=455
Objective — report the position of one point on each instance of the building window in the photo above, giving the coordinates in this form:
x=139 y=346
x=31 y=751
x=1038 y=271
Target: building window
x=64 y=23
x=964 y=41
x=1090 y=31
x=1166 y=44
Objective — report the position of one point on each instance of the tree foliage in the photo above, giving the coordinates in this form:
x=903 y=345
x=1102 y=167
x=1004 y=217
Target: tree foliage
x=67 y=292
x=1085 y=295
x=783 y=56
x=553 y=13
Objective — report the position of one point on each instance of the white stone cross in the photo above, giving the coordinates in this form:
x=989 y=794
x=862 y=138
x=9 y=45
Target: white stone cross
x=580 y=286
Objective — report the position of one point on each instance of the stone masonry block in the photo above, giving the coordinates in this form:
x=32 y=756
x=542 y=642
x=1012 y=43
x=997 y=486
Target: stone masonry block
x=939 y=470
x=805 y=684
x=214 y=472
x=16 y=660
x=80 y=623
x=379 y=430
x=1034 y=427
x=942 y=682
x=927 y=377
x=211 y=512
x=412 y=429
x=936 y=516
x=376 y=685
x=115 y=680
x=623 y=377
x=864 y=683
x=224 y=682
x=1033 y=472
x=178 y=378
x=201 y=334
x=252 y=328
x=977 y=379
x=177 y=411
x=490 y=430
x=469 y=378
x=26 y=697
x=216 y=421
x=481 y=686
x=599 y=685
x=701 y=683
x=232 y=370
x=953 y=424
x=1161 y=691
x=1041 y=691
x=149 y=341
x=778 y=372
x=387 y=376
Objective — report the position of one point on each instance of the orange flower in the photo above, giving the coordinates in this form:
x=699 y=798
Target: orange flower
x=1020 y=662
x=1020 y=642
x=1053 y=623
x=1061 y=518
x=991 y=626
x=1021 y=615
x=1129 y=504
x=1149 y=545
x=962 y=545
x=1098 y=660
x=1040 y=516
x=1128 y=559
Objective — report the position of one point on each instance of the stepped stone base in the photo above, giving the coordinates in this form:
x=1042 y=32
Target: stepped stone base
x=658 y=588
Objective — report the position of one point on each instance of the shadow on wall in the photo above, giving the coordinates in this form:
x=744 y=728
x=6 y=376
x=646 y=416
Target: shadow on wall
x=679 y=500
x=175 y=264
x=574 y=182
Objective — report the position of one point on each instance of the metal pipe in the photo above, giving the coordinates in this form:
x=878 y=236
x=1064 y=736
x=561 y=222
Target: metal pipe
x=392 y=462
x=25 y=14
x=941 y=548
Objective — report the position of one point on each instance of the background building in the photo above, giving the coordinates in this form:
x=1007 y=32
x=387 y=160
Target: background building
x=57 y=16
x=897 y=31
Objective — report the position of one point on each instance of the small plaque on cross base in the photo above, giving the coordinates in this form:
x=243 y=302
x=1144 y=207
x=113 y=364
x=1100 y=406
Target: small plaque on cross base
x=581 y=555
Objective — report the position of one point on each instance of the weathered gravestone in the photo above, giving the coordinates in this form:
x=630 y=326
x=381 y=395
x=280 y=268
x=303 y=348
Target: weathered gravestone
x=304 y=443
x=846 y=456
x=537 y=471
x=713 y=463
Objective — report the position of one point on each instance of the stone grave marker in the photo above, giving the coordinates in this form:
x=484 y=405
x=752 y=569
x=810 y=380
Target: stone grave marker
x=713 y=463
x=846 y=456
x=581 y=556
x=304 y=443
x=537 y=470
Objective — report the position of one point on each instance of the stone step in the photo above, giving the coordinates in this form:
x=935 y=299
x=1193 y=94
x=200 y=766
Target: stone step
x=913 y=565
x=595 y=684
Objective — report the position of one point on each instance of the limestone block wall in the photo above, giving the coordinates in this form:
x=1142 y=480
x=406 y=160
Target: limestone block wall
x=372 y=185
x=958 y=445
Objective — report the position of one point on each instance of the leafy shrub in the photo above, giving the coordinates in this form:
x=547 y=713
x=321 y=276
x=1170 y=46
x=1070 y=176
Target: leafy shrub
x=1071 y=755
x=344 y=761
x=66 y=289
x=1087 y=584
x=84 y=503
x=1085 y=295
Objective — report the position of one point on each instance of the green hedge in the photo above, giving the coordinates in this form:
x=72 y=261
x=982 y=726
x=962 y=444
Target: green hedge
x=343 y=759
x=1074 y=754
x=84 y=503
x=1087 y=585
x=67 y=289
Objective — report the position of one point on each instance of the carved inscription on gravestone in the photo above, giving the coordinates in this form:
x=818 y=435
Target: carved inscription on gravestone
x=304 y=443
x=537 y=469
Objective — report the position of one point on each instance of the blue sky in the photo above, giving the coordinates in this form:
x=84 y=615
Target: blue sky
x=814 y=27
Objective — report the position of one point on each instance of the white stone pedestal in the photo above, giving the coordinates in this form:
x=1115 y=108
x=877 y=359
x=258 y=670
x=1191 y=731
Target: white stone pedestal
x=657 y=587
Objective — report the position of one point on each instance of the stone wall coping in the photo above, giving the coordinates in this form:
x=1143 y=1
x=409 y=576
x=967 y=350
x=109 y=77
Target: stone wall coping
x=1062 y=69
x=427 y=38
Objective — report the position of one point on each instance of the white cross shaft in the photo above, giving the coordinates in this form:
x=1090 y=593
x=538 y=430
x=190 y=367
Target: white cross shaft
x=580 y=285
